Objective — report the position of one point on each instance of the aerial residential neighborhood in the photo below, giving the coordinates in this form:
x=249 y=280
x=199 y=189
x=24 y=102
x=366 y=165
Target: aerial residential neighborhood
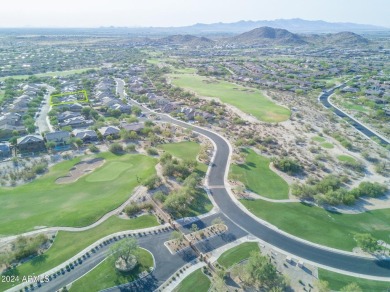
x=186 y=154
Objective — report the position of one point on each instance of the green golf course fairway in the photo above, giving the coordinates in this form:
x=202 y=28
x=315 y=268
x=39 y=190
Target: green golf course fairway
x=257 y=177
x=320 y=226
x=249 y=100
x=105 y=275
x=43 y=202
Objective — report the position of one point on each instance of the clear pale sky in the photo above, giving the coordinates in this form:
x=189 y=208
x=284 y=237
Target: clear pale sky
x=89 y=13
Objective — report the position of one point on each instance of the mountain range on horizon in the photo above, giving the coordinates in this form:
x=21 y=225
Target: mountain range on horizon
x=295 y=25
x=265 y=36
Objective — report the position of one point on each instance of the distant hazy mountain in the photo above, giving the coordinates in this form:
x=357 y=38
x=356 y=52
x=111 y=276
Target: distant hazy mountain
x=344 y=39
x=188 y=40
x=267 y=35
x=294 y=25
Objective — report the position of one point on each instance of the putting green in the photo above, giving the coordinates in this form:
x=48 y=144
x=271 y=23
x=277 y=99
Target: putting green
x=249 y=100
x=46 y=203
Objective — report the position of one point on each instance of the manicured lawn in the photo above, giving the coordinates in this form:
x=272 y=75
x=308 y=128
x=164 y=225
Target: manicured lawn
x=68 y=244
x=182 y=150
x=317 y=225
x=185 y=151
x=318 y=139
x=200 y=205
x=256 y=175
x=185 y=71
x=327 y=145
x=337 y=281
x=196 y=281
x=105 y=275
x=237 y=254
x=346 y=158
x=249 y=100
x=46 y=203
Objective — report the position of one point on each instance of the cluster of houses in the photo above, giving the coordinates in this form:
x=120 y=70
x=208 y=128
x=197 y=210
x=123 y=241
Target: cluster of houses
x=373 y=90
x=72 y=116
x=67 y=115
x=61 y=140
x=106 y=98
x=162 y=103
x=11 y=119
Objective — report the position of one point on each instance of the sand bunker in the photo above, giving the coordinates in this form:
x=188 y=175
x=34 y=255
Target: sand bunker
x=80 y=169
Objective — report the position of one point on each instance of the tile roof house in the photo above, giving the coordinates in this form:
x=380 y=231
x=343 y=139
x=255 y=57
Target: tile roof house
x=109 y=131
x=60 y=138
x=85 y=135
x=30 y=143
x=11 y=122
x=136 y=127
x=5 y=149
x=67 y=115
x=76 y=122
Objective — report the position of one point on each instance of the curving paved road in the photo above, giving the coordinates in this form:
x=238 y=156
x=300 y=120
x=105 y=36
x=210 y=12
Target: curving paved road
x=349 y=263
x=239 y=224
x=324 y=98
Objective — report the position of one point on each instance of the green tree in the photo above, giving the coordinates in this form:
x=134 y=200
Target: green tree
x=218 y=284
x=5 y=259
x=194 y=227
x=366 y=242
x=322 y=286
x=352 y=287
x=152 y=182
x=125 y=249
x=217 y=220
x=260 y=272
x=116 y=148
x=176 y=235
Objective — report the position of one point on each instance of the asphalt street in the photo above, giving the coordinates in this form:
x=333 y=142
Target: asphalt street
x=324 y=99
x=239 y=224
x=293 y=246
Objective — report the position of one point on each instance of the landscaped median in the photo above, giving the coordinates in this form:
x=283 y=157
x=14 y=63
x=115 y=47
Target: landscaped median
x=68 y=244
x=179 y=241
x=105 y=275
